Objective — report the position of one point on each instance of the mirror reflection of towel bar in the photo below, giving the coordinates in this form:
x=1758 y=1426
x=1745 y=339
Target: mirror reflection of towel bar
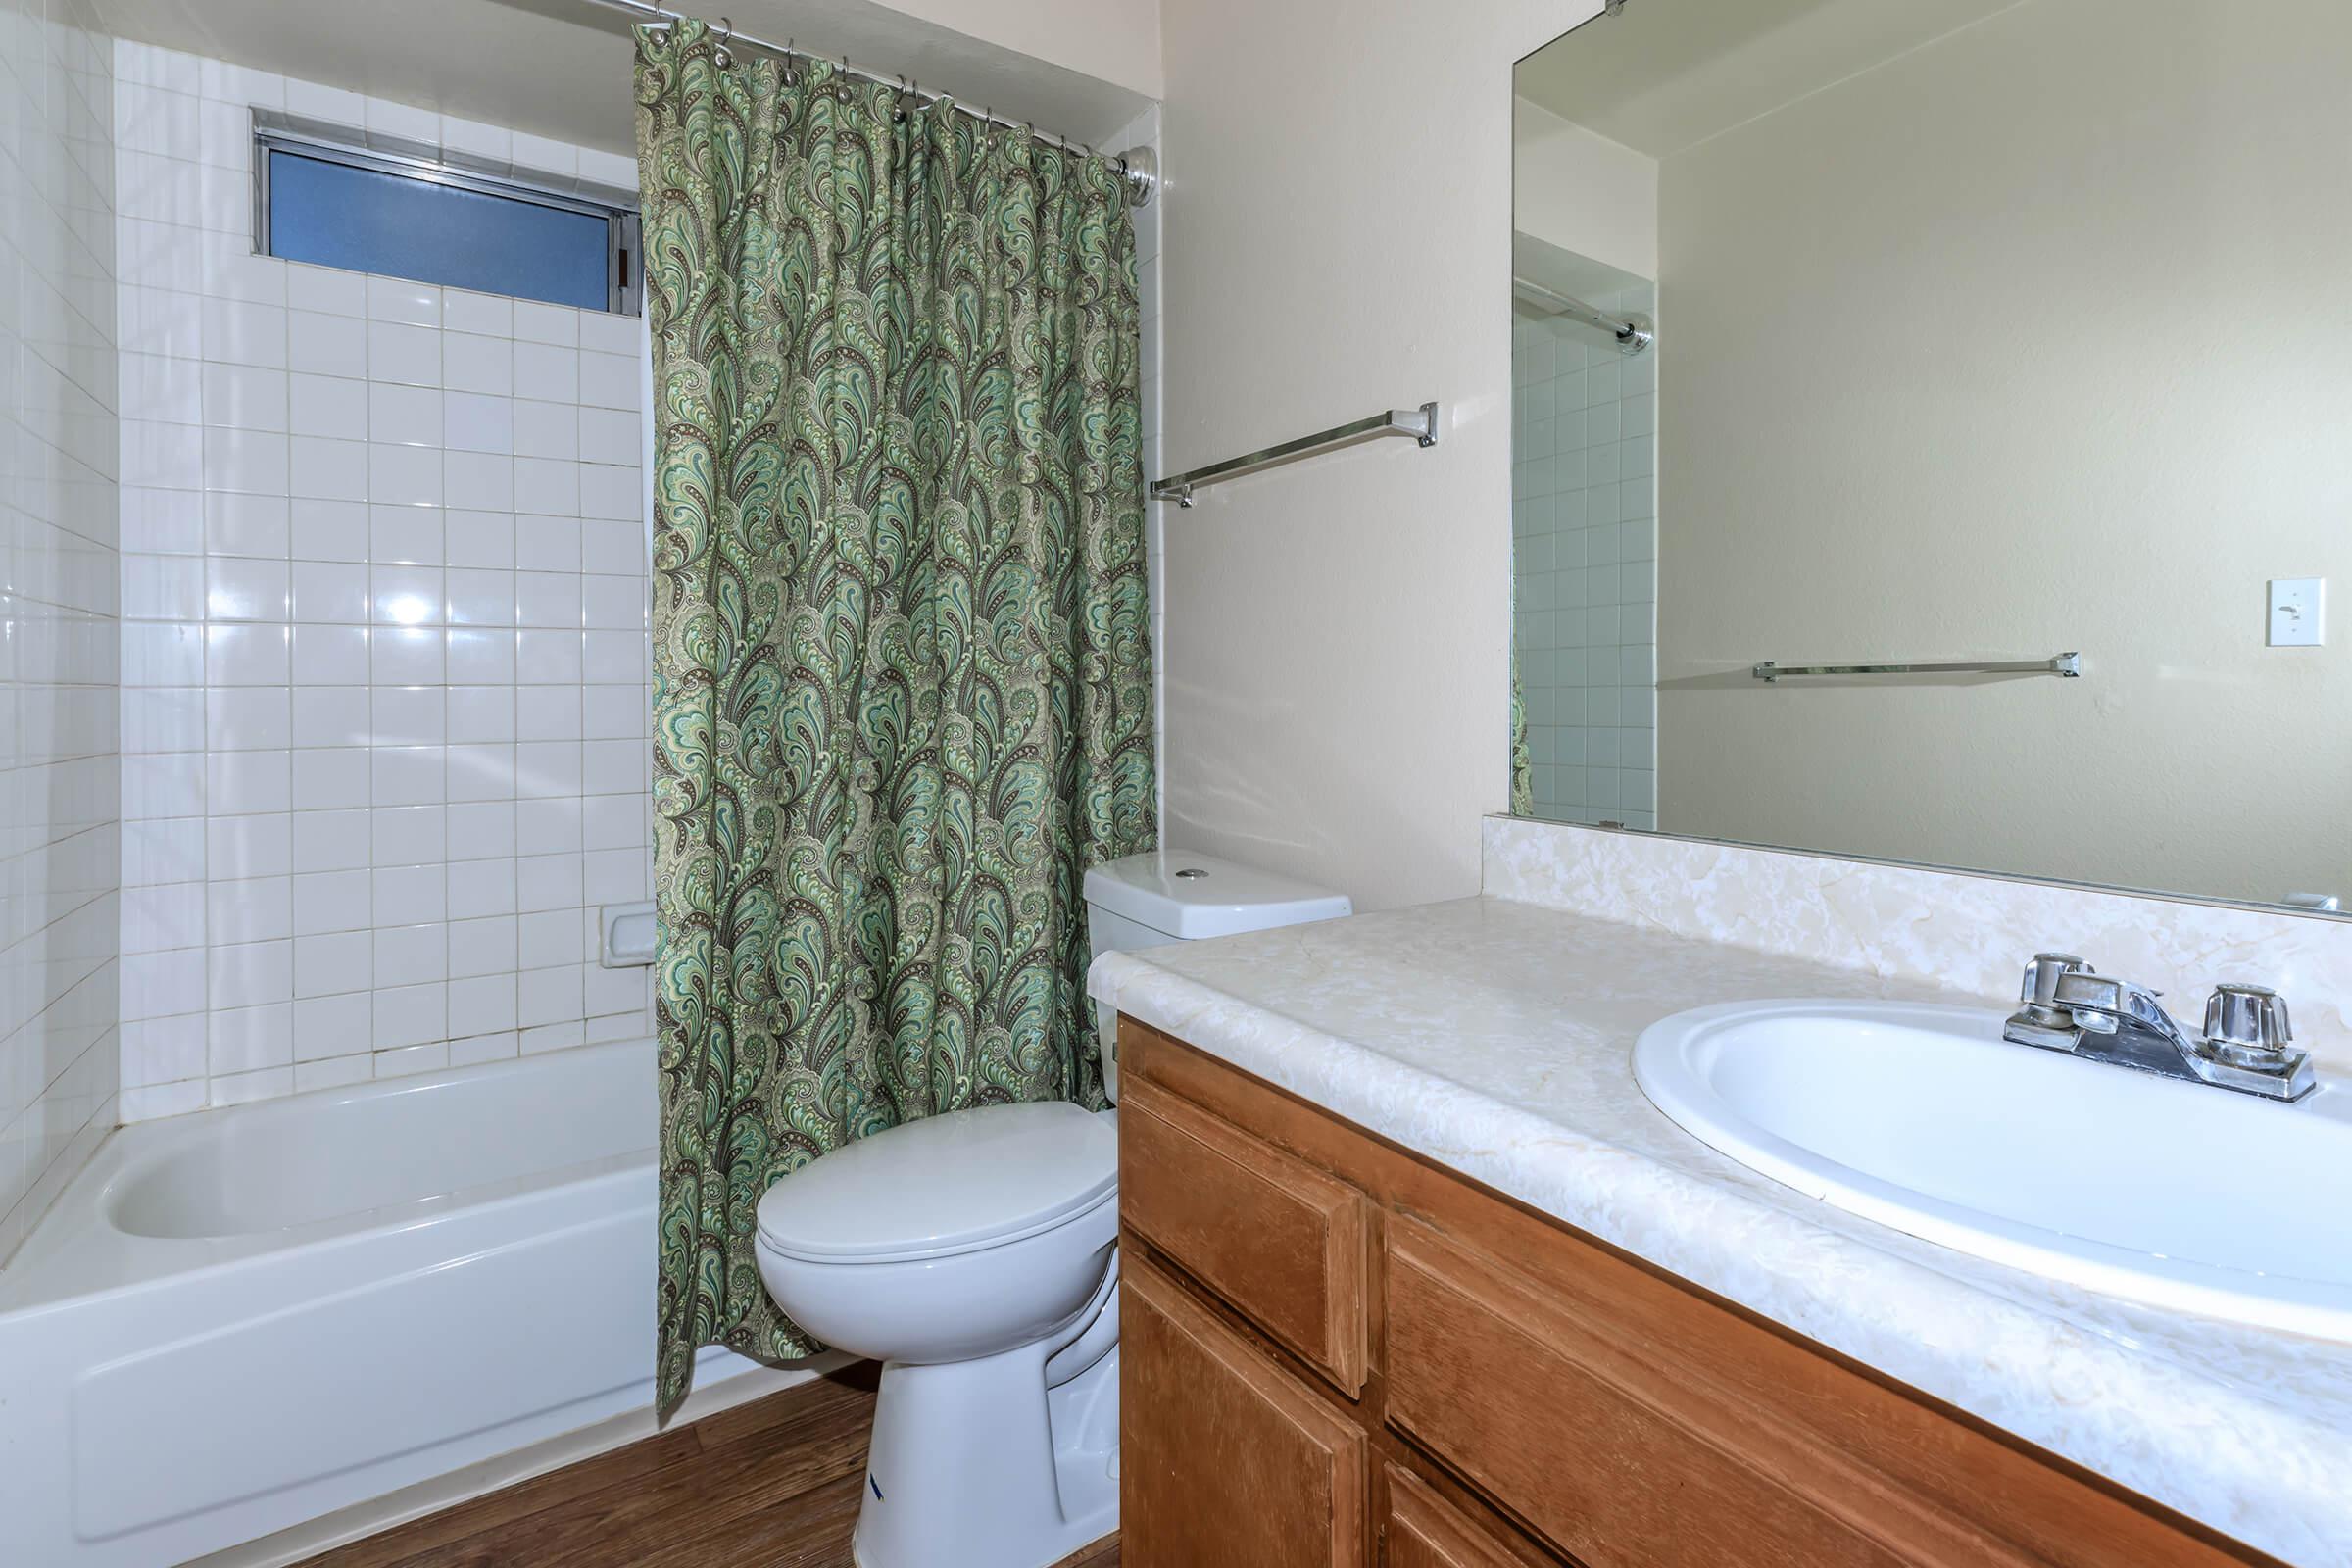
x=2069 y=666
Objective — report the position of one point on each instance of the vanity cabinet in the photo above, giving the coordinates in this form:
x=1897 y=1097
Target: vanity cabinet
x=1334 y=1351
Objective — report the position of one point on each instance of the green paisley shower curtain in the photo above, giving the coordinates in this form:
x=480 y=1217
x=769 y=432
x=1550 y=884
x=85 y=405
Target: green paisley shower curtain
x=902 y=672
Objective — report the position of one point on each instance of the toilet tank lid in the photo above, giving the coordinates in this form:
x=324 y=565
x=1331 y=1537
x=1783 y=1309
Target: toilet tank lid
x=953 y=1183
x=1187 y=896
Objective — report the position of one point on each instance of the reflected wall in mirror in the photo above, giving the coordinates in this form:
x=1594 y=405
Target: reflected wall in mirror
x=1985 y=330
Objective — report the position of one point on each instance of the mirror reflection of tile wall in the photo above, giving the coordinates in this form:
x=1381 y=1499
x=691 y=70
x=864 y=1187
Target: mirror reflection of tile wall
x=1584 y=486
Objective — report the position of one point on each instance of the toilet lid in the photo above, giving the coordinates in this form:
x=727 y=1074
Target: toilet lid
x=946 y=1184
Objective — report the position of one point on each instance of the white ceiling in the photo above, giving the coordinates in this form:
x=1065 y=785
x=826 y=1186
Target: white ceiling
x=1663 y=76
x=562 y=68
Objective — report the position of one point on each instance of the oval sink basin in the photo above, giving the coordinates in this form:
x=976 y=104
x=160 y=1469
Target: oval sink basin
x=1924 y=1118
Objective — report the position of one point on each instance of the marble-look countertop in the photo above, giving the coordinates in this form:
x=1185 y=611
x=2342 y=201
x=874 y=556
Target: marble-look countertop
x=1495 y=1038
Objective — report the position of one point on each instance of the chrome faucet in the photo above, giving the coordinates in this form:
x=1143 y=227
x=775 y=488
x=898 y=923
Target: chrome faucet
x=2247 y=1044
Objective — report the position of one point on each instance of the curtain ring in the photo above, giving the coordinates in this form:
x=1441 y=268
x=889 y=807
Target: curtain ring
x=791 y=76
x=721 y=56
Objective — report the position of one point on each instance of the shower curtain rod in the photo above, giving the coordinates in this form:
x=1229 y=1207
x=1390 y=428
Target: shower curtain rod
x=1633 y=333
x=1138 y=166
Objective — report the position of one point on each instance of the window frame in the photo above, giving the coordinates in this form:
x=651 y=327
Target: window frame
x=401 y=158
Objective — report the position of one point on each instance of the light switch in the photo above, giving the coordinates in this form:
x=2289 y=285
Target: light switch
x=2298 y=612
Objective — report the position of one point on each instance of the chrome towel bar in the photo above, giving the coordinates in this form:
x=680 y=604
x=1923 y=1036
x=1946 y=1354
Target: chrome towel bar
x=1420 y=423
x=2069 y=666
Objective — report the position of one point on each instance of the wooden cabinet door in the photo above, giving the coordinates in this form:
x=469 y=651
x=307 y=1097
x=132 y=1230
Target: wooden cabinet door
x=1224 y=1457
x=1421 y=1529
x=1537 y=1412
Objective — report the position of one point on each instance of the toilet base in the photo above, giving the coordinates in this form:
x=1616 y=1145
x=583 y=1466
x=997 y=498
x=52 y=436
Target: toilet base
x=1006 y=1461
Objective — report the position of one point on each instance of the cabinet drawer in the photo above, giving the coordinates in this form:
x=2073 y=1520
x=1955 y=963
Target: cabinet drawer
x=1517 y=1395
x=1280 y=1240
x=1225 y=1457
x=1421 y=1529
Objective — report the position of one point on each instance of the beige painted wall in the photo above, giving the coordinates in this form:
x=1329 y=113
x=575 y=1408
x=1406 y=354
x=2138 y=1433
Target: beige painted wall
x=2036 y=339
x=1114 y=40
x=1338 y=630
x=1583 y=192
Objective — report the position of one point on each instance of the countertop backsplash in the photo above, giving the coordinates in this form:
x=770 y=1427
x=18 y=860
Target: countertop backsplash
x=1965 y=933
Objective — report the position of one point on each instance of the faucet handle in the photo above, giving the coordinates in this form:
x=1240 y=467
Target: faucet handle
x=2248 y=1025
x=2040 y=987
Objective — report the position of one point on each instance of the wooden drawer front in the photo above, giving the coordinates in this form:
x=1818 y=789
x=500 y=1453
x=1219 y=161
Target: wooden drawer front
x=1524 y=1401
x=1277 y=1238
x=1421 y=1529
x=1225 y=1457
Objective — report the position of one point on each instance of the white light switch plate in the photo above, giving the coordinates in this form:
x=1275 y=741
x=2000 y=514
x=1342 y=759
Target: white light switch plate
x=2298 y=612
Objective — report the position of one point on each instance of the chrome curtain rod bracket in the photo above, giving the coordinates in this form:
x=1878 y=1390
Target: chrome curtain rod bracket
x=2067 y=666
x=1137 y=168
x=1421 y=423
x=1634 y=332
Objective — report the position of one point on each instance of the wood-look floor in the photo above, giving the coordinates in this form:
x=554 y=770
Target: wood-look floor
x=772 y=1484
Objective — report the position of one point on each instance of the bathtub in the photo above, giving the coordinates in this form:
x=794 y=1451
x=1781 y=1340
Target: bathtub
x=238 y=1321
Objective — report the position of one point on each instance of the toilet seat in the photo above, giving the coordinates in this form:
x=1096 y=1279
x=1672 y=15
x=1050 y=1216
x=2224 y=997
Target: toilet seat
x=955 y=1183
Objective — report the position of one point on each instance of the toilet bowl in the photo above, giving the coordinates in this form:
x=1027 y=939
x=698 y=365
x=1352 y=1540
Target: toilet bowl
x=965 y=1252
x=973 y=1254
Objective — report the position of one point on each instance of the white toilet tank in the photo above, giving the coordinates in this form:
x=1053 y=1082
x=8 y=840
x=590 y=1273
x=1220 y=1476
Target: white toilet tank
x=1163 y=896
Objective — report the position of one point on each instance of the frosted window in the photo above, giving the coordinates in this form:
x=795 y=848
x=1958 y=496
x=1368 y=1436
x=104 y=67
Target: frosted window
x=337 y=215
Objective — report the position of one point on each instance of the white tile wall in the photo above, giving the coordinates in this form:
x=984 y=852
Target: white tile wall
x=59 y=851
x=1584 y=552
x=386 y=734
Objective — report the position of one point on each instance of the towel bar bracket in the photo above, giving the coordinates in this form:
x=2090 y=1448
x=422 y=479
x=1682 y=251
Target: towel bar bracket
x=1421 y=423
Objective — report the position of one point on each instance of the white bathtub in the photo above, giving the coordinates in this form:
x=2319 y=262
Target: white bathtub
x=236 y=1321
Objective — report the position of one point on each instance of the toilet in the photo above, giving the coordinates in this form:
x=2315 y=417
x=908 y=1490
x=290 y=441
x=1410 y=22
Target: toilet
x=974 y=1255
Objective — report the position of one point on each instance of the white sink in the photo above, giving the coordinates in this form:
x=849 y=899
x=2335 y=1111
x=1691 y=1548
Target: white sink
x=1923 y=1119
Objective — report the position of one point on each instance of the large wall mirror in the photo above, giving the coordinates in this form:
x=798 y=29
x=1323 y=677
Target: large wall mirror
x=1856 y=334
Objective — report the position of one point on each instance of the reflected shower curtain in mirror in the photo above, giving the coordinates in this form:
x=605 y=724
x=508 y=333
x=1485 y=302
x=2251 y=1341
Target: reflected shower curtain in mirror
x=902 y=670
x=1523 y=772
